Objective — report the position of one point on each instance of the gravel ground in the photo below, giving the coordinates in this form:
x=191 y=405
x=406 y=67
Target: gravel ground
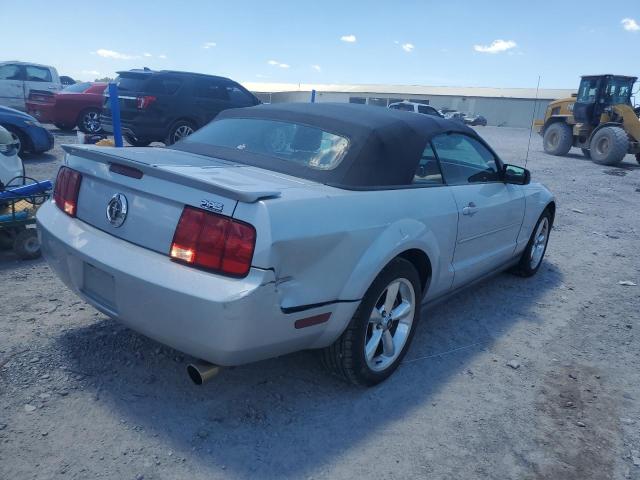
x=513 y=379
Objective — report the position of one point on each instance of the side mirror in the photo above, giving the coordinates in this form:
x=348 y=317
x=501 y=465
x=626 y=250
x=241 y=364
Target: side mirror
x=516 y=175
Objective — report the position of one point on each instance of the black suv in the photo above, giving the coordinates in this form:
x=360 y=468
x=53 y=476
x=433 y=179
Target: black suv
x=165 y=106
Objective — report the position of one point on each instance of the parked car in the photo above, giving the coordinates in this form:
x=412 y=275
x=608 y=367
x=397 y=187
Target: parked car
x=17 y=79
x=10 y=163
x=29 y=134
x=78 y=105
x=166 y=106
x=475 y=120
x=415 y=107
x=292 y=226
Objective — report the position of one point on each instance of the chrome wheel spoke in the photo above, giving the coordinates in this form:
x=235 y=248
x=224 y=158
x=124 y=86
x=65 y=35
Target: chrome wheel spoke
x=390 y=299
x=401 y=311
x=388 y=346
x=372 y=344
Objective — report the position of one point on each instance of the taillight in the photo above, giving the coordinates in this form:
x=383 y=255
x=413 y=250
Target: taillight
x=65 y=192
x=145 y=101
x=214 y=242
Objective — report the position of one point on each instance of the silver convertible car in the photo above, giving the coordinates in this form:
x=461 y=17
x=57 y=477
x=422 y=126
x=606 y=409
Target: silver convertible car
x=284 y=227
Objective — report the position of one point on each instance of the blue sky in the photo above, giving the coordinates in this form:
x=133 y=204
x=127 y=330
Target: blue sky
x=453 y=42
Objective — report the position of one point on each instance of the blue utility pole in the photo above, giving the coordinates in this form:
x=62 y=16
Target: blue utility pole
x=115 y=113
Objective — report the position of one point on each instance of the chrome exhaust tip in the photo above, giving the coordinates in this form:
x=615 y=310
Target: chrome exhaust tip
x=202 y=371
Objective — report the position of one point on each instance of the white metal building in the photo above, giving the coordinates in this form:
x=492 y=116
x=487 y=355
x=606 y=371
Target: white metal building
x=512 y=107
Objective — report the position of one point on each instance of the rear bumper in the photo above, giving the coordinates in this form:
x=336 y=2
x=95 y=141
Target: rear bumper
x=223 y=320
x=44 y=112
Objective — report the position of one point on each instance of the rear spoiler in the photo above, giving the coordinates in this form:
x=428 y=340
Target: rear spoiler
x=241 y=193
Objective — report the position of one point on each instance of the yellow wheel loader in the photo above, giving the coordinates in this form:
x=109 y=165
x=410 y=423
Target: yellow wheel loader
x=600 y=120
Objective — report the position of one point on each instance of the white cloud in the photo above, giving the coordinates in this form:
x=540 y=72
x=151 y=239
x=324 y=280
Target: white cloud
x=408 y=47
x=496 y=46
x=630 y=25
x=208 y=45
x=162 y=56
x=348 y=38
x=317 y=68
x=278 y=64
x=146 y=54
x=103 y=52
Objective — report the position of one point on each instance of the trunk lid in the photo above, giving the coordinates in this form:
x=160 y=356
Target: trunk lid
x=157 y=184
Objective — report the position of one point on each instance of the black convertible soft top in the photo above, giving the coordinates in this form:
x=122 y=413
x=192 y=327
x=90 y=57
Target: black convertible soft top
x=385 y=145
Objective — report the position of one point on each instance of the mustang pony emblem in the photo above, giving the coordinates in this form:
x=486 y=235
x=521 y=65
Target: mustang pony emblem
x=117 y=210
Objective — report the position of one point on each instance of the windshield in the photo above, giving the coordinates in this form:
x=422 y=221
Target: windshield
x=292 y=142
x=77 y=87
x=588 y=91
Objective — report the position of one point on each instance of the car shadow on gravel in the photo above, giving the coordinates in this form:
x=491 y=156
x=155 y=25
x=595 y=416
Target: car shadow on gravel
x=286 y=416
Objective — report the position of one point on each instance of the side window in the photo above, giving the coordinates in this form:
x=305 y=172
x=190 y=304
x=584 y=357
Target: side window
x=464 y=159
x=238 y=96
x=10 y=72
x=163 y=86
x=38 y=74
x=428 y=171
x=211 y=89
x=427 y=110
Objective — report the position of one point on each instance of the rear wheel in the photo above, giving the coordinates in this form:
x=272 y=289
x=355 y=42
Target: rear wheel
x=558 y=139
x=89 y=121
x=178 y=131
x=381 y=330
x=135 y=142
x=609 y=145
x=26 y=244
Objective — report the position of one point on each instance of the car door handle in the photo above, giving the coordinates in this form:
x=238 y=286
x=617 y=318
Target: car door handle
x=470 y=209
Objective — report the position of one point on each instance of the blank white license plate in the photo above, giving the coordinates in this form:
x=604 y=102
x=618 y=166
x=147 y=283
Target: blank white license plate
x=100 y=286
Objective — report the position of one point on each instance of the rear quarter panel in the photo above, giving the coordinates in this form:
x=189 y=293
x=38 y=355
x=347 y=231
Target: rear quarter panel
x=326 y=244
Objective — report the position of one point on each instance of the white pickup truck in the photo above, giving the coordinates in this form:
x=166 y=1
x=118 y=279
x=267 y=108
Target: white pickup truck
x=17 y=79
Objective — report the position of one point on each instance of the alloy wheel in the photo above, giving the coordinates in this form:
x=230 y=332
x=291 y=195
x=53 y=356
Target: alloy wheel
x=389 y=325
x=181 y=132
x=539 y=243
x=91 y=122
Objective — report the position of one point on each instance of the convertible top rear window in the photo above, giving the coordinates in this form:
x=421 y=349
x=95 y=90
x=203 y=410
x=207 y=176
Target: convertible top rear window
x=344 y=145
x=292 y=142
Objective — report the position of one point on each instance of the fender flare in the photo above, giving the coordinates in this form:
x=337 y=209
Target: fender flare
x=403 y=235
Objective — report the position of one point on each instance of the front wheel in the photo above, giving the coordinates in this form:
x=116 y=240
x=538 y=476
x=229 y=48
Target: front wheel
x=532 y=256
x=558 y=139
x=609 y=145
x=381 y=330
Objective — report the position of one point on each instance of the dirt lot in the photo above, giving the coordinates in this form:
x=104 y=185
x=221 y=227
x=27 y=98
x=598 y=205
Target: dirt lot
x=82 y=397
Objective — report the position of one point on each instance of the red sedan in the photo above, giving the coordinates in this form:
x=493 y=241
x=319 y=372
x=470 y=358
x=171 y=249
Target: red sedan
x=78 y=105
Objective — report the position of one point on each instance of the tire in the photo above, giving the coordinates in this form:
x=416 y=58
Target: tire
x=558 y=139
x=178 y=131
x=65 y=128
x=586 y=152
x=136 y=142
x=23 y=141
x=528 y=266
x=26 y=244
x=609 y=145
x=89 y=121
x=346 y=357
